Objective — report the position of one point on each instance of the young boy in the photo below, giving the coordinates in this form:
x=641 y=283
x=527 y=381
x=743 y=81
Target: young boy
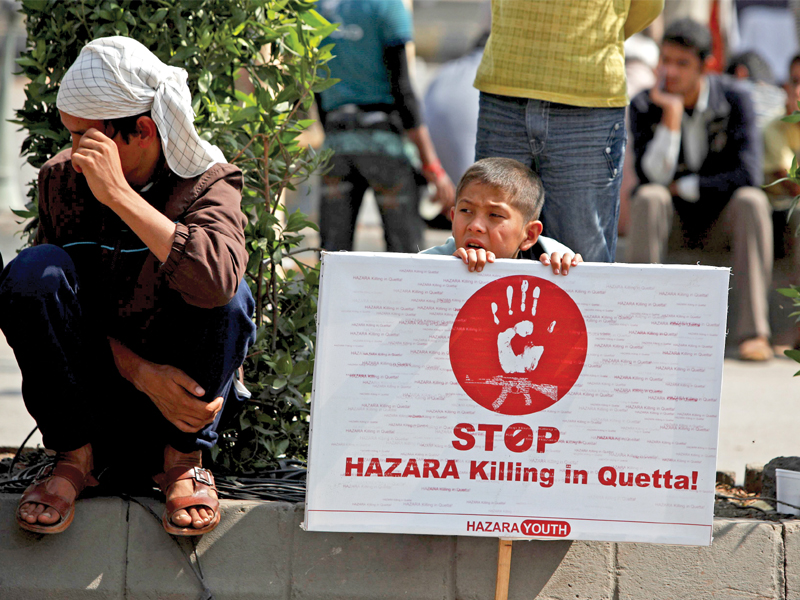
x=498 y=202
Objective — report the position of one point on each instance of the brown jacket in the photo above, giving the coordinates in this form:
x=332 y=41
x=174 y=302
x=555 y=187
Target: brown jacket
x=204 y=267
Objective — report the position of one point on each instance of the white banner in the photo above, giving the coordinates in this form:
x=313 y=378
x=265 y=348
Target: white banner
x=516 y=403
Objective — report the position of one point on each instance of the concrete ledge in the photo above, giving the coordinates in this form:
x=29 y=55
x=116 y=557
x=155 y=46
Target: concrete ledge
x=88 y=560
x=745 y=560
x=117 y=550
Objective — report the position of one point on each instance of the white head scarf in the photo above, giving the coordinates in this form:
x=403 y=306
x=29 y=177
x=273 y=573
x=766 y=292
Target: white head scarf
x=117 y=77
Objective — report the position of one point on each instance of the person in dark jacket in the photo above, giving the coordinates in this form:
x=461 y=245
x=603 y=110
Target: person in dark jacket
x=128 y=317
x=699 y=155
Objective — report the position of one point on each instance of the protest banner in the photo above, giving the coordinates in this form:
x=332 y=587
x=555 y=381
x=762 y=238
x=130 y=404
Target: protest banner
x=515 y=403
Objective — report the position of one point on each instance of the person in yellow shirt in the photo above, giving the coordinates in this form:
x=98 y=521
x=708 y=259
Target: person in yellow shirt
x=553 y=96
x=781 y=145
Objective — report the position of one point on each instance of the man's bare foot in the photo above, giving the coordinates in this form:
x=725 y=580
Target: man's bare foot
x=32 y=512
x=196 y=517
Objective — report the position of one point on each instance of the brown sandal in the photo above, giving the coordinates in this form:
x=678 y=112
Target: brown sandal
x=203 y=482
x=36 y=494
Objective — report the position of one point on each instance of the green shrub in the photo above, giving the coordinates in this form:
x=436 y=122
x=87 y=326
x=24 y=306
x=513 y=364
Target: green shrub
x=277 y=43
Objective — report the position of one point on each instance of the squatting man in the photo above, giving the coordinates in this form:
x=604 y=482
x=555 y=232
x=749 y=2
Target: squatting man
x=128 y=316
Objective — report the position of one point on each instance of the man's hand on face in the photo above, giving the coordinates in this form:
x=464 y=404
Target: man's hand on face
x=97 y=157
x=671 y=104
x=177 y=396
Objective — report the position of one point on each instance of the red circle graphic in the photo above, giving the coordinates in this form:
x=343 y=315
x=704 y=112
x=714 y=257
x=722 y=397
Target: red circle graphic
x=518 y=345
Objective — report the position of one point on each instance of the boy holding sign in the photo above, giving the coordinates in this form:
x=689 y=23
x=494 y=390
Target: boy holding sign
x=496 y=215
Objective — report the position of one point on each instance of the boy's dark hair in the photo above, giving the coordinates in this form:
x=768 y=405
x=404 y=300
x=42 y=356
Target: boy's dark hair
x=795 y=59
x=689 y=34
x=758 y=69
x=522 y=186
x=125 y=126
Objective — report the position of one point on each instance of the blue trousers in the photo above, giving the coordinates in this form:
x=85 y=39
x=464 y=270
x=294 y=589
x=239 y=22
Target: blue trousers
x=577 y=151
x=70 y=383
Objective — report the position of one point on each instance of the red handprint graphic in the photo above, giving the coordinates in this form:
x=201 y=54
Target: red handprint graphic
x=518 y=345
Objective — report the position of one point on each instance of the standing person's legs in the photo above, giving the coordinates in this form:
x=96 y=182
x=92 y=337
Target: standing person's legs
x=578 y=152
x=652 y=214
x=747 y=220
x=397 y=195
x=342 y=191
x=581 y=169
x=502 y=131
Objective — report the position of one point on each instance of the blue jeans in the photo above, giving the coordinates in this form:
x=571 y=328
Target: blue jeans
x=70 y=383
x=577 y=151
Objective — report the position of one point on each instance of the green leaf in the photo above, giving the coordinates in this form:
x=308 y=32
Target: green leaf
x=263 y=431
x=301 y=368
x=255 y=258
x=159 y=15
x=26 y=61
x=35 y=5
x=325 y=31
x=323 y=85
x=793 y=354
x=281 y=447
x=792 y=118
x=296 y=222
x=284 y=365
x=790 y=292
x=249 y=114
x=25 y=214
x=262 y=418
x=204 y=81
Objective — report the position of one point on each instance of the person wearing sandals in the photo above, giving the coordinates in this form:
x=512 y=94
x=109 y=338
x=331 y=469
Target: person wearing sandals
x=128 y=316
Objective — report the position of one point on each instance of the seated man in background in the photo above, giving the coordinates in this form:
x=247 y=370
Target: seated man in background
x=128 y=317
x=781 y=145
x=755 y=76
x=698 y=154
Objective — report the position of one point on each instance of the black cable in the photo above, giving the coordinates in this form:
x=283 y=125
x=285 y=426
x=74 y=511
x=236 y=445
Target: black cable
x=19 y=450
x=765 y=498
x=284 y=484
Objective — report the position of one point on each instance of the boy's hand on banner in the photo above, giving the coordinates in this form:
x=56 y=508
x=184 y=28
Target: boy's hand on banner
x=475 y=258
x=561 y=264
